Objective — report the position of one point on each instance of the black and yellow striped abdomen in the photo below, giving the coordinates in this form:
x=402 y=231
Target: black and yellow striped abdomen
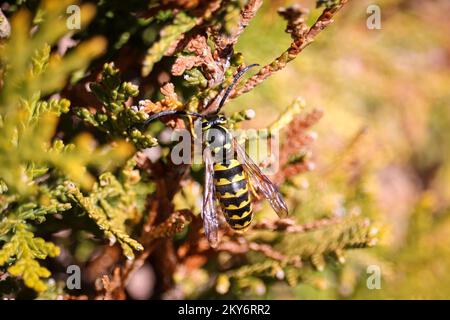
x=232 y=191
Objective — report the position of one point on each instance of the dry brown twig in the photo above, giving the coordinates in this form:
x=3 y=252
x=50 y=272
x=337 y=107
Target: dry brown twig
x=170 y=101
x=302 y=36
x=267 y=250
x=167 y=229
x=224 y=46
x=223 y=43
x=242 y=246
x=203 y=14
x=290 y=226
x=111 y=288
x=215 y=63
x=298 y=140
x=202 y=56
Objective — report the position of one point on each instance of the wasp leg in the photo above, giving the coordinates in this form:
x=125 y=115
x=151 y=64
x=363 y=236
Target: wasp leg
x=191 y=127
x=253 y=191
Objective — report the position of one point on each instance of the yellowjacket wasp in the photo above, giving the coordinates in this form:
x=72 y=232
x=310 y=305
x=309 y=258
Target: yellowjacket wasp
x=228 y=173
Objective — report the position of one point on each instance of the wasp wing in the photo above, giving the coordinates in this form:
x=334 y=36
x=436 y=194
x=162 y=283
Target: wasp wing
x=261 y=182
x=209 y=211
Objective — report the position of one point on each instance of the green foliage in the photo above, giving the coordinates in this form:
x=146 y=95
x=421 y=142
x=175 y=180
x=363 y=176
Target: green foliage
x=117 y=119
x=33 y=163
x=110 y=204
x=21 y=252
x=182 y=23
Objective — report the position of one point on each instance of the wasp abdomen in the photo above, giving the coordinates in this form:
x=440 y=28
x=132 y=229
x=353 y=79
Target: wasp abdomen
x=232 y=190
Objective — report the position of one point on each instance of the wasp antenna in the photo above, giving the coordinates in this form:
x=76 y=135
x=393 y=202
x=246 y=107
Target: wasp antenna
x=231 y=86
x=172 y=113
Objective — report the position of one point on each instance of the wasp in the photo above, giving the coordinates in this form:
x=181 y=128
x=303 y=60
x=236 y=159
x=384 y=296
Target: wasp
x=230 y=174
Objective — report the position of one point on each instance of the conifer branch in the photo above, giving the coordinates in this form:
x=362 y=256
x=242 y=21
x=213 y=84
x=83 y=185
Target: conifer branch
x=302 y=36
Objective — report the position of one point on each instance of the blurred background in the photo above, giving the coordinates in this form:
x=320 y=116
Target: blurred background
x=385 y=95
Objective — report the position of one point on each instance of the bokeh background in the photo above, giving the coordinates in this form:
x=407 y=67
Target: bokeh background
x=385 y=95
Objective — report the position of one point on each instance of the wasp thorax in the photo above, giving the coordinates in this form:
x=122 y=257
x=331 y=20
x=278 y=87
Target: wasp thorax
x=213 y=121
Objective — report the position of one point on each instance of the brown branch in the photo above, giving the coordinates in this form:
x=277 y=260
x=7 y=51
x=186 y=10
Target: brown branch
x=114 y=288
x=241 y=246
x=203 y=15
x=224 y=44
x=223 y=49
x=289 y=225
x=111 y=287
x=102 y=262
x=201 y=56
x=167 y=229
x=298 y=141
x=302 y=37
x=267 y=250
x=172 y=225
